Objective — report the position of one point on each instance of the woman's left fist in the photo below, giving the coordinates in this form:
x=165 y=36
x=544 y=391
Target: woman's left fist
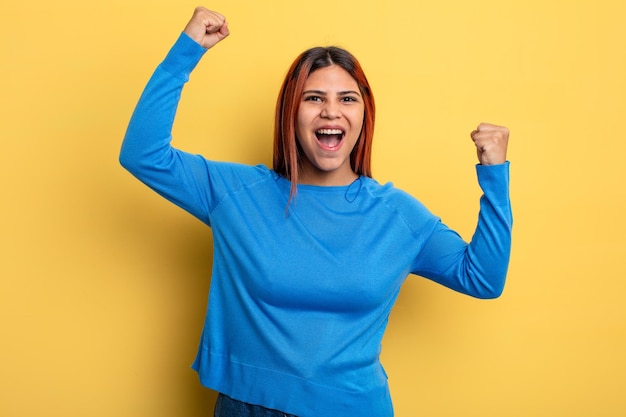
x=491 y=142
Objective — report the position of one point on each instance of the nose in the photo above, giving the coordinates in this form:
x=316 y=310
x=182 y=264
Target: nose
x=330 y=110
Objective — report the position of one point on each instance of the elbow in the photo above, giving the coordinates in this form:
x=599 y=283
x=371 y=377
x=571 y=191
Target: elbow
x=129 y=163
x=492 y=294
x=131 y=154
x=492 y=289
x=489 y=281
x=125 y=162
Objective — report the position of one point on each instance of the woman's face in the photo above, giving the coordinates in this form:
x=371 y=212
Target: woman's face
x=328 y=125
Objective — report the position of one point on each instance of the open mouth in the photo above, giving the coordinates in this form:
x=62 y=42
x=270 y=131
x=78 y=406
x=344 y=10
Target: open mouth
x=329 y=138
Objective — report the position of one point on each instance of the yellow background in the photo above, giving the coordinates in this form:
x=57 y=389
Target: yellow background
x=103 y=284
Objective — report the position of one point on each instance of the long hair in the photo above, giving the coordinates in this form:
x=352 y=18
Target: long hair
x=287 y=154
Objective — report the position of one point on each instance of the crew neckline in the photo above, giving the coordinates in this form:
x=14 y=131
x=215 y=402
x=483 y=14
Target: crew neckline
x=323 y=188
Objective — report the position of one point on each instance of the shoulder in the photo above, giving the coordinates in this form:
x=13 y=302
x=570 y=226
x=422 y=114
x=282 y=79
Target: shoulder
x=405 y=206
x=226 y=180
x=388 y=193
x=233 y=175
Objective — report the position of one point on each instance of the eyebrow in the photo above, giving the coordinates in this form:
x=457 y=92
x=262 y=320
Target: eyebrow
x=323 y=93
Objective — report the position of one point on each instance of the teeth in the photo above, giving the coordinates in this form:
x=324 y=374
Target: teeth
x=330 y=132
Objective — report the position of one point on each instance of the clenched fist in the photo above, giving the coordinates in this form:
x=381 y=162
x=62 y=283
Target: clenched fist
x=207 y=27
x=491 y=142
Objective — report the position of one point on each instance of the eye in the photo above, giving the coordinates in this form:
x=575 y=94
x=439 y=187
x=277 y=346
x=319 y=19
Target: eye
x=313 y=98
x=349 y=99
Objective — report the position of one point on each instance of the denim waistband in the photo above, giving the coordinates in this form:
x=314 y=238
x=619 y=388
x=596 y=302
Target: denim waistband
x=228 y=407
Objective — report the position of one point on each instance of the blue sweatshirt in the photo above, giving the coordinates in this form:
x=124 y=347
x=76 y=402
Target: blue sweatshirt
x=300 y=299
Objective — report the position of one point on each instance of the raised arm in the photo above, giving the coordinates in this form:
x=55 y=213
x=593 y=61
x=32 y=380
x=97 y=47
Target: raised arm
x=479 y=268
x=146 y=151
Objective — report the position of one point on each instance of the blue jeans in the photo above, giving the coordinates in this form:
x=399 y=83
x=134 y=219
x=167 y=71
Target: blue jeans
x=227 y=407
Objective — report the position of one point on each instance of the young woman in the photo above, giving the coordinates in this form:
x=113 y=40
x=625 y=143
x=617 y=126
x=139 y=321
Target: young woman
x=309 y=256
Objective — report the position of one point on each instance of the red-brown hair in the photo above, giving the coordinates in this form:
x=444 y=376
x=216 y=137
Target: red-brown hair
x=287 y=151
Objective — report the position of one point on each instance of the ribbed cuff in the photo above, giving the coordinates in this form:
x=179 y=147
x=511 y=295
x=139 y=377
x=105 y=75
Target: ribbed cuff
x=183 y=57
x=494 y=180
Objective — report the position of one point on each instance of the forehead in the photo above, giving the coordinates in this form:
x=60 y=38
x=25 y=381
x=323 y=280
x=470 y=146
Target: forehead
x=330 y=78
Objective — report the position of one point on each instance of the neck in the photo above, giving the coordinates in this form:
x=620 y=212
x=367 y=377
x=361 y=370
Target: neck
x=308 y=176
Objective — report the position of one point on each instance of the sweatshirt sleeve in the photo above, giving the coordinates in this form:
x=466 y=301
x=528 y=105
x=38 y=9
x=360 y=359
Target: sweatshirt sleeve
x=479 y=268
x=146 y=152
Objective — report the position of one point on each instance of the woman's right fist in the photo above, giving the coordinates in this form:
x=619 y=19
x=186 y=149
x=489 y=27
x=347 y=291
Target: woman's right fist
x=207 y=27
